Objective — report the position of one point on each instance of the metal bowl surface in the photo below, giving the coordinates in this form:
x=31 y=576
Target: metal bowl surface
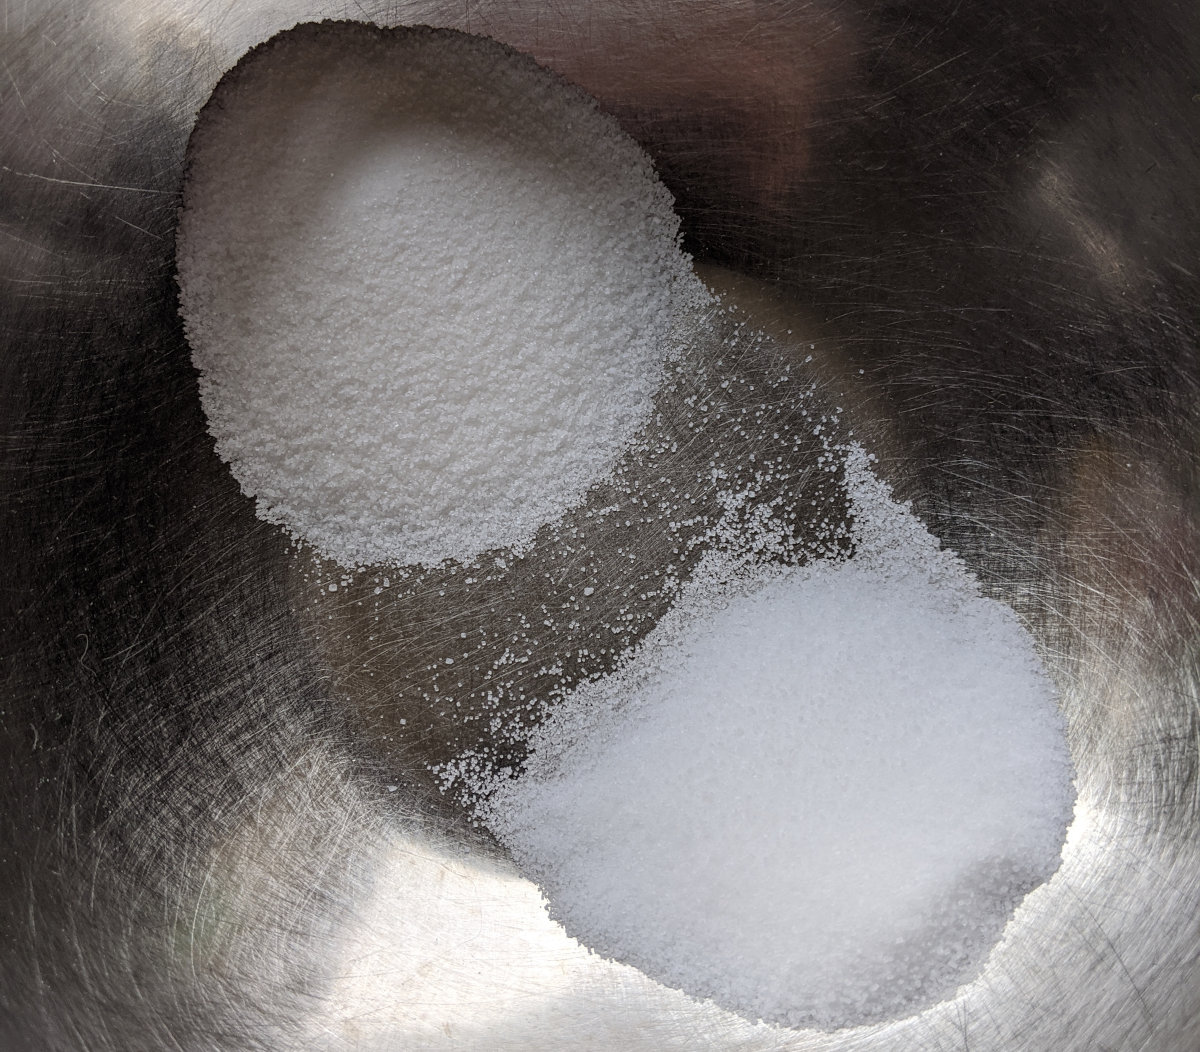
x=988 y=218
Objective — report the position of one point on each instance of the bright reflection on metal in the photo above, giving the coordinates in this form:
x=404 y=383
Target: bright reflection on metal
x=1098 y=244
x=450 y=950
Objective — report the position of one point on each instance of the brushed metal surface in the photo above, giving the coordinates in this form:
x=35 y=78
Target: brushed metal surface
x=210 y=836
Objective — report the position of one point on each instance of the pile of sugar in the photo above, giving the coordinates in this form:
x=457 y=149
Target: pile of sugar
x=814 y=795
x=429 y=288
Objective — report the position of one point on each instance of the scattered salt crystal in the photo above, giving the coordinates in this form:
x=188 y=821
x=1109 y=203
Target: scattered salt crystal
x=429 y=288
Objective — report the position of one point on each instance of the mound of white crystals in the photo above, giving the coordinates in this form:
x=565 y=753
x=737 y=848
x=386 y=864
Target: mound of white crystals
x=428 y=286
x=814 y=795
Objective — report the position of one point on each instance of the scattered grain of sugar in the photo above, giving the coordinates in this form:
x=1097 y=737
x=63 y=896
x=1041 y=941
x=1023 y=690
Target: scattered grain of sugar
x=428 y=286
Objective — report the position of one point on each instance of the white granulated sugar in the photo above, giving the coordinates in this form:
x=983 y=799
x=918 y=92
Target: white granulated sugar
x=814 y=795
x=429 y=289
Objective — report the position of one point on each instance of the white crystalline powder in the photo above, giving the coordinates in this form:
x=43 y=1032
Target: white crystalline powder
x=429 y=289
x=814 y=795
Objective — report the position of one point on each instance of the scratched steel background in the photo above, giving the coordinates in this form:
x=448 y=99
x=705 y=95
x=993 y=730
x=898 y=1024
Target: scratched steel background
x=209 y=837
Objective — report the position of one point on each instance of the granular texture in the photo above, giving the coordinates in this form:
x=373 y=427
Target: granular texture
x=429 y=289
x=813 y=794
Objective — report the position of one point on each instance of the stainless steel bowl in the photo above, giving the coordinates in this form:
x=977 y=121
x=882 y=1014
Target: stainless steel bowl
x=214 y=835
